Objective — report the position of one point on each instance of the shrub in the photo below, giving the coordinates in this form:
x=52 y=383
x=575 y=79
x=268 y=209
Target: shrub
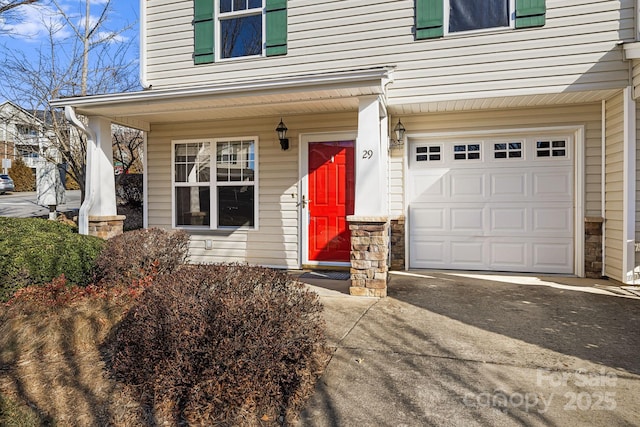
x=129 y=190
x=22 y=175
x=221 y=345
x=136 y=254
x=34 y=251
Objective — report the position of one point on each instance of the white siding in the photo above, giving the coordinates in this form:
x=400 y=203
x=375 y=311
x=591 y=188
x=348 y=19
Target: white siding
x=613 y=224
x=276 y=242
x=588 y=115
x=576 y=50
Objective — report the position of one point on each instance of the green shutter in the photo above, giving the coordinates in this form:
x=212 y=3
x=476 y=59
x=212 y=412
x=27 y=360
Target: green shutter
x=276 y=27
x=530 y=13
x=429 y=19
x=203 y=31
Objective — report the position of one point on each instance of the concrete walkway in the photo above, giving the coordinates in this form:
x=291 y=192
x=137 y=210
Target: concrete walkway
x=470 y=349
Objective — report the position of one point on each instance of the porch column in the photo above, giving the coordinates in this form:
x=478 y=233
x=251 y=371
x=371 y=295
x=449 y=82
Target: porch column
x=369 y=225
x=103 y=218
x=371 y=154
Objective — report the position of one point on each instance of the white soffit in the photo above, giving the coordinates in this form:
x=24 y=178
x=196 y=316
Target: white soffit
x=498 y=103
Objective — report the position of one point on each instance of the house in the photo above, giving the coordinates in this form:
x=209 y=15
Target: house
x=28 y=136
x=519 y=152
x=21 y=136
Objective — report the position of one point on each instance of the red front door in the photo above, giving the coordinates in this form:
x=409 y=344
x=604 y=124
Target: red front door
x=331 y=199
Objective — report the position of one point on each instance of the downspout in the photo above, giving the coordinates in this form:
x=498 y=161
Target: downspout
x=143 y=46
x=83 y=214
x=603 y=177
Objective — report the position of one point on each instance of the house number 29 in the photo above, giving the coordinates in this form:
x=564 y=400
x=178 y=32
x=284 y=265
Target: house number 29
x=367 y=154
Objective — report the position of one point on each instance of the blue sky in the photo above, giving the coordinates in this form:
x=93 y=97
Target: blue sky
x=29 y=33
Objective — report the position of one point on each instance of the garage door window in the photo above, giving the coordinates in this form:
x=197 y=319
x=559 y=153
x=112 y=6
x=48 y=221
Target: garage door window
x=429 y=153
x=507 y=150
x=466 y=152
x=557 y=148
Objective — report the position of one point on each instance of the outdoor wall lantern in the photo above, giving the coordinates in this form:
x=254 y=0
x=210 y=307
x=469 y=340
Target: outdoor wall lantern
x=282 y=135
x=398 y=132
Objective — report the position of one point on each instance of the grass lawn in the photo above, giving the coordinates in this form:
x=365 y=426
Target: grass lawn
x=51 y=367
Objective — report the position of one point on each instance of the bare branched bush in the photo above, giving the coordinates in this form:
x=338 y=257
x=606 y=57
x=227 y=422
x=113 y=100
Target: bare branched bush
x=136 y=254
x=221 y=345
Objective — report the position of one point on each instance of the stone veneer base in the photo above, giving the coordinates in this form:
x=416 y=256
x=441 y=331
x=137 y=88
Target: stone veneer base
x=397 y=244
x=593 y=247
x=106 y=227
x=369 y=255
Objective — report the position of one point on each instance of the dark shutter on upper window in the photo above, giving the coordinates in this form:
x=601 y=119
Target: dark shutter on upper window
x=203 y=31
x=429 y=19
x=530 y=13
x=276 y=23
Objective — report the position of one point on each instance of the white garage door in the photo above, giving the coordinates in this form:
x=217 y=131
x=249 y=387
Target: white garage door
x=501 y=204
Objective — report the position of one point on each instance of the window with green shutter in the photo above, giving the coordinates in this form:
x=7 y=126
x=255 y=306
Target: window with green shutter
x=437 y=18
x=234 y=29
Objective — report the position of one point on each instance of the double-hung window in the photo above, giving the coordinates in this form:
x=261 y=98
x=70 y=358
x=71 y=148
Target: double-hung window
x=226 y=198
x=437 y=18
x=225 y=29
x=468 y=15
x=240 y=28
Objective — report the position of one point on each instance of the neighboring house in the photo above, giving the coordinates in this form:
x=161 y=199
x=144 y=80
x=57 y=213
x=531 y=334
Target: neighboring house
x=27 y=136
x=519 y=153
x=21 y=136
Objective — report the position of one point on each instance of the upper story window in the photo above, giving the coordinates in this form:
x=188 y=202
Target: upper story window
x=436 y=18
x=225 y=29
x=26 y=130
x=467 y=15
x=240 y=28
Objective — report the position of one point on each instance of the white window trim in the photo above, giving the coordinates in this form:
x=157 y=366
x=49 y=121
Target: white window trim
x=237 y=14
x=213 y=184
x=511 y=26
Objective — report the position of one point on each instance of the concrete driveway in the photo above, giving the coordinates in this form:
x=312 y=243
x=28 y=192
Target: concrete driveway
x=469 y=349
x=23 y=204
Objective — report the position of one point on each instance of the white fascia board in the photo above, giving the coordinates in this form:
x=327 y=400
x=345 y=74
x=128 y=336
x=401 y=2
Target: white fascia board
x=370 y=77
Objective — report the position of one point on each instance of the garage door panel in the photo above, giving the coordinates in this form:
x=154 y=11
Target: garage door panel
x=502 y=212
x=431 y=252
x=467 y=185
x=509 y=220
x=508 y=255
x=427 y=186
x=469 y=253
x=555 y=220
x=552 y=257
x=428 y=220
x=552 y=185
x=511 y=185
x=467 y=219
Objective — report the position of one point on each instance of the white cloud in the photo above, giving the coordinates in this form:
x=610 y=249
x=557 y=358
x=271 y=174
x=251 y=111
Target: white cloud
x=113 y=38
x=34 y=23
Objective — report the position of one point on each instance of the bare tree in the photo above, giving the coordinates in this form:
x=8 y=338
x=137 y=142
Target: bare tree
x=7 y=6
x=127 y=149
x=10 y=13
x=92 y=60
